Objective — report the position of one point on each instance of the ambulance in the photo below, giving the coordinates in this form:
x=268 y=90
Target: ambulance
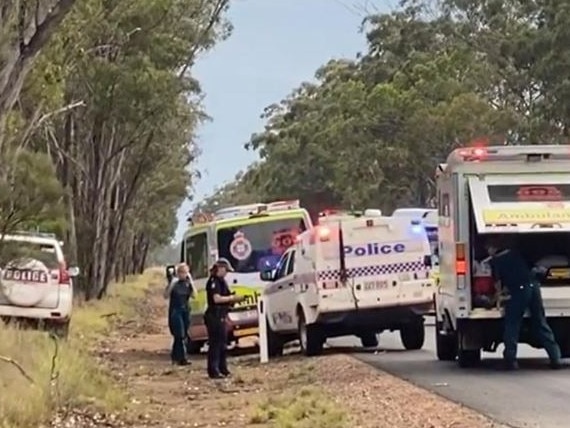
x=352 y=274
x=522 y=192
x=253 y=238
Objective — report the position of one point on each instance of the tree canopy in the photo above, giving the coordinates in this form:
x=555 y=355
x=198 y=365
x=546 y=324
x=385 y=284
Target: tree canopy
x=98 y=113
x=370 y=131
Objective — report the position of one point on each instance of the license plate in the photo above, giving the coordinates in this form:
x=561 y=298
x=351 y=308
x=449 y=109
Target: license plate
x=375 y=285
x=246 y=332
x=243 y=315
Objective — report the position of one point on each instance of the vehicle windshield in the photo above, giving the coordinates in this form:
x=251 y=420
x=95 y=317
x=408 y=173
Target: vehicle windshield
x=431 y=232
x=14 y=252
x=257 y=247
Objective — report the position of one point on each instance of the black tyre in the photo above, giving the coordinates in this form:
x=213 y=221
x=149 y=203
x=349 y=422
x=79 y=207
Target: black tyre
x=311 y=337
x=194 y=347
x=468 y=357
x=413 y=335
x=369 y=340
x=274 y=343
x=446 y=345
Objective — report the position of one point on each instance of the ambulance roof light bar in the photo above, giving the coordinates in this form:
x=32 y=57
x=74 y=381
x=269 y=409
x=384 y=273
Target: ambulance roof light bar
x=256 y=209
x=524 y=153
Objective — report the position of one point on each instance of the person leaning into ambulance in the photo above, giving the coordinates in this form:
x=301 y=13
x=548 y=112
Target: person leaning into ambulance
x=512 y=272
x=220 y=299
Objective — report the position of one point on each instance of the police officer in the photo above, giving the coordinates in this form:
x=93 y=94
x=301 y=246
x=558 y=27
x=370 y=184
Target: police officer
x=515 y=277
x=179 y=291
x=220 y=299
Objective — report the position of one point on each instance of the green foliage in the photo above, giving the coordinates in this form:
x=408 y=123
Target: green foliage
x=436 y=75
x=30 y=194
x=104 y=127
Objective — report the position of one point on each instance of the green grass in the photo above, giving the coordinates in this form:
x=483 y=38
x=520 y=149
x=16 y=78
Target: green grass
x=72 y=378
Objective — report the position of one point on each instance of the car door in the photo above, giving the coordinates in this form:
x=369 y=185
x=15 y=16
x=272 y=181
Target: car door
x=278 y=291
x=288 y=301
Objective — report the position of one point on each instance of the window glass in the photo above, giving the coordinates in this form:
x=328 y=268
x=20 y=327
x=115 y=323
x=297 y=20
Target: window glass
x=197 y=254
x=258 y=246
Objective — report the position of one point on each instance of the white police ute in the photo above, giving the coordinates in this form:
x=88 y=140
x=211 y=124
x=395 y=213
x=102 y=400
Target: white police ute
x=354 y=275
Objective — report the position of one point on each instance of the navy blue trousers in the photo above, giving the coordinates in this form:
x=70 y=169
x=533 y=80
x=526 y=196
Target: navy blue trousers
x=178 y=324
x=527 y=297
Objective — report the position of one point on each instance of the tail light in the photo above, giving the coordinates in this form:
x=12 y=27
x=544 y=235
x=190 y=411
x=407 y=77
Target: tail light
x=64 y=278
x=460 y=263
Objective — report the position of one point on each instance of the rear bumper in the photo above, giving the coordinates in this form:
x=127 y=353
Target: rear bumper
x=386 y=318
x=51 y=315
x=239 y=324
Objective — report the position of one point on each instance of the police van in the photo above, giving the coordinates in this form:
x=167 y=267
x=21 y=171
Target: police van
x=523 y=193
x=350 y=275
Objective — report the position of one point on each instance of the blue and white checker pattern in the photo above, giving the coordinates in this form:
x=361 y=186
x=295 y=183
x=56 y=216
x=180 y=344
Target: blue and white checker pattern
x=386 y=269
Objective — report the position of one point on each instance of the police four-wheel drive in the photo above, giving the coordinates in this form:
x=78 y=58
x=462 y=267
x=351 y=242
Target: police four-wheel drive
x=350 y=275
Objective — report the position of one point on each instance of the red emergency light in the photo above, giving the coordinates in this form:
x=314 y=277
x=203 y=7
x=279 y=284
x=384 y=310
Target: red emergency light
x=473 y=153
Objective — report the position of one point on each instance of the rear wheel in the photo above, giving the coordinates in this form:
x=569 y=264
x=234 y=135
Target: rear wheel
x=413 y=335
x=369 y=340
x=311 y=337
x=468 y=357
x=445 y=344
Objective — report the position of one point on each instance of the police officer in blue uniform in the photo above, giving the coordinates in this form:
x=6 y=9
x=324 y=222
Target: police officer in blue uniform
x=220 y=299
x=510 y=269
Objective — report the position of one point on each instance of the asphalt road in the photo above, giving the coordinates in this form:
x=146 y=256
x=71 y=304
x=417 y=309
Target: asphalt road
x=533 y=397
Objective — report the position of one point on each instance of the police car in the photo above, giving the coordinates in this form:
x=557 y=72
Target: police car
x=350 y=275
x=35 y=282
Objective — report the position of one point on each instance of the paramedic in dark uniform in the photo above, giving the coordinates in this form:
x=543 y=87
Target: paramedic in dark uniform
x=220 y=300
x=510 y=269
x=179 y=291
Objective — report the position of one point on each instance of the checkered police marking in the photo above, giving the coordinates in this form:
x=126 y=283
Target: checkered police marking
x=373 y=270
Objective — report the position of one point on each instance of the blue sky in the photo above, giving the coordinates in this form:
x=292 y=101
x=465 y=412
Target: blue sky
x=275 y=45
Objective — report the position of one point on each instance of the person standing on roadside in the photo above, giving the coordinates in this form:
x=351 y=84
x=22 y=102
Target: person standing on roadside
x=516 y=278
x=179 y=291
x=219 y=299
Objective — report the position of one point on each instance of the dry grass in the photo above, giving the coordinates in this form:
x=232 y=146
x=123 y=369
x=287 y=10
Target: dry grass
x=308 y=407
x=62 y=373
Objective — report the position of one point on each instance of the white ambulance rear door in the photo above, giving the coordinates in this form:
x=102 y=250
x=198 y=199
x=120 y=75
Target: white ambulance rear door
x=514 y=203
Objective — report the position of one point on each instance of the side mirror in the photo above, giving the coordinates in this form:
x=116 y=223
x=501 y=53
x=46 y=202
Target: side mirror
x=73 y=271
x=427 y=261
x=266 y=275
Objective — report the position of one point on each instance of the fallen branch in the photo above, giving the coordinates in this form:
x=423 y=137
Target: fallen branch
x=18 y=366
x=112 y=314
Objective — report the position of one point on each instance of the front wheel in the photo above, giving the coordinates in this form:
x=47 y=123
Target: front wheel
x=369 y=340
x=312 y=340
x=413 y=335
x=194 y=347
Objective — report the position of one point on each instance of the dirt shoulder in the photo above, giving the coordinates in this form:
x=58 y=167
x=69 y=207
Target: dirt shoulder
x=334 y=391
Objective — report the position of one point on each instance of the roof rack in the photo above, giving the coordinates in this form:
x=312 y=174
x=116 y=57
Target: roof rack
x=34 y=234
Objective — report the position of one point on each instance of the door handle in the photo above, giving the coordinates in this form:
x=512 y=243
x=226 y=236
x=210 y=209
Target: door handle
x=291 y=284
x=280 y=287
